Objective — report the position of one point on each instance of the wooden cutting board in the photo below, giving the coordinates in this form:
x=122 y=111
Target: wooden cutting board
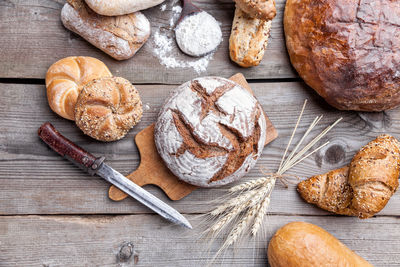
x=152 y=169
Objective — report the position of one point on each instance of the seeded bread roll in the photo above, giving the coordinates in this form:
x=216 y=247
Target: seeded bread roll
x=108 y=108
x=118 y=36
x=65 y=79
x=249 y=39
x=210 y=131
x=260 y=9
x=120 y=7
x=362 y=189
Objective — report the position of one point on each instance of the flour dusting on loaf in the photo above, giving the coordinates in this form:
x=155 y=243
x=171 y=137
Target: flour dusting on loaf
x=119 y=36
x=210 y=131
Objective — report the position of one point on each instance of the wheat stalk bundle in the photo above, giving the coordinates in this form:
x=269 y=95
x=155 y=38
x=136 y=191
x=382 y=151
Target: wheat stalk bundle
x=246 y=204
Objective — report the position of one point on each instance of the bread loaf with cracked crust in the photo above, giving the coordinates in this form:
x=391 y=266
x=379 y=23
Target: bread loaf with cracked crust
x=108 y=108
x=347 y=50
x=65 y=80
x=118 y=36
x=210 y=131
x=362 y=189
x=120 y=7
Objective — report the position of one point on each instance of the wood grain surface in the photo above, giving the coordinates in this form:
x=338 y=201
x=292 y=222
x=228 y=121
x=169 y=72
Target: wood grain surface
x=45 y=40
x=35 y=180
x=147 y=240
x=53 y=214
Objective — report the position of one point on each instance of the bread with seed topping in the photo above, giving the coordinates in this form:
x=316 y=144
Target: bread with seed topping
x=108 y=108
x=249 y=39
x=210 y=131
x=362 y=189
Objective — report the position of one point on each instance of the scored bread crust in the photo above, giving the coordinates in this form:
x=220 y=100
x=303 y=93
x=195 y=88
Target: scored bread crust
x=248 y=39
x=347 y=51
x=108 y=108
x=65 y=79
x=120 y=7
x=362 y=189
x=210 y=131
x=118 y=36
x=260 y=9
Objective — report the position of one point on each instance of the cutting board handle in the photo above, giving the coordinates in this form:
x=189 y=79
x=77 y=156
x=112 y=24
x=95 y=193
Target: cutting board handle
x=152 y=170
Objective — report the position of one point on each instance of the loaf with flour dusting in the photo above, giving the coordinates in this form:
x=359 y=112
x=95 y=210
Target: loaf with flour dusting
x=210 y=131
x=118 y=36
x=120 y=7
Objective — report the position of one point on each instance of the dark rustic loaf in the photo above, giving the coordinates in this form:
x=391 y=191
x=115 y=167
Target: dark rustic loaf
x=348 y=51
x=210 y=131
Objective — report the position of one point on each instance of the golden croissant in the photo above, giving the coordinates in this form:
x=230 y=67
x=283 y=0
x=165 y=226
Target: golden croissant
x=361 y=189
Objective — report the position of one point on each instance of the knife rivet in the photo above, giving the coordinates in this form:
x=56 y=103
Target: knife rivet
x=94 y=166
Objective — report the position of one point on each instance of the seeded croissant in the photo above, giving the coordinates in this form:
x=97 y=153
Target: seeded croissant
x=361 y=189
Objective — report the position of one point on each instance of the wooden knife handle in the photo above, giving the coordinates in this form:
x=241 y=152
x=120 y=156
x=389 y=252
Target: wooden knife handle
x=68 y=149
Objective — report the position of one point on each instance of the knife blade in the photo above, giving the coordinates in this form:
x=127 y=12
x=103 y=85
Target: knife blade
x=93 y=165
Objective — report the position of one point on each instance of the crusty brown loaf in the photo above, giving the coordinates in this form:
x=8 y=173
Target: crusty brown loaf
x=249 y=39
x=118 y=36
x=301 y=244
x=364 y=188
x=210 y=131
x=108 y=108
x=65 y=79
x=348 y=51
x=260 y=9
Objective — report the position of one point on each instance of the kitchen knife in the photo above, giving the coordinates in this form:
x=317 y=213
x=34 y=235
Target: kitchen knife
x=93 y=165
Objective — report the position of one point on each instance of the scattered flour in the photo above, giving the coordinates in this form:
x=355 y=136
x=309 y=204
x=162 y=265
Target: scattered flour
x=164 y=46
x=198 y=34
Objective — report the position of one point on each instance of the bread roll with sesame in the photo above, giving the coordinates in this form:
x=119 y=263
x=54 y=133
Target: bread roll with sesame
x=65 y=79
x=108 y=108
x=362 y=189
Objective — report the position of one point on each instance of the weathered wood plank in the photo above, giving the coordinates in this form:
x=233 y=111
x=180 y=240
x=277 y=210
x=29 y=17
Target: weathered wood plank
x=34 y=180
x=150 y=241
x=33 y=37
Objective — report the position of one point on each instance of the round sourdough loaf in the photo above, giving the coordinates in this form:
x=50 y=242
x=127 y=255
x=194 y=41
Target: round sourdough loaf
x=108 y=108
x=210 y=131
x=347 y=50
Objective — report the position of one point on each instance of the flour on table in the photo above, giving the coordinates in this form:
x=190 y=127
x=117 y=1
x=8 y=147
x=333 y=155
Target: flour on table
x=165 y=48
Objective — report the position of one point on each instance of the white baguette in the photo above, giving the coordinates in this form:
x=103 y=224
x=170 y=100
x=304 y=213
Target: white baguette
x=120 y=7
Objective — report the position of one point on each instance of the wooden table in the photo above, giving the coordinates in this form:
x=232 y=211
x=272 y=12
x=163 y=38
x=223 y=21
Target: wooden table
x=52 y=214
